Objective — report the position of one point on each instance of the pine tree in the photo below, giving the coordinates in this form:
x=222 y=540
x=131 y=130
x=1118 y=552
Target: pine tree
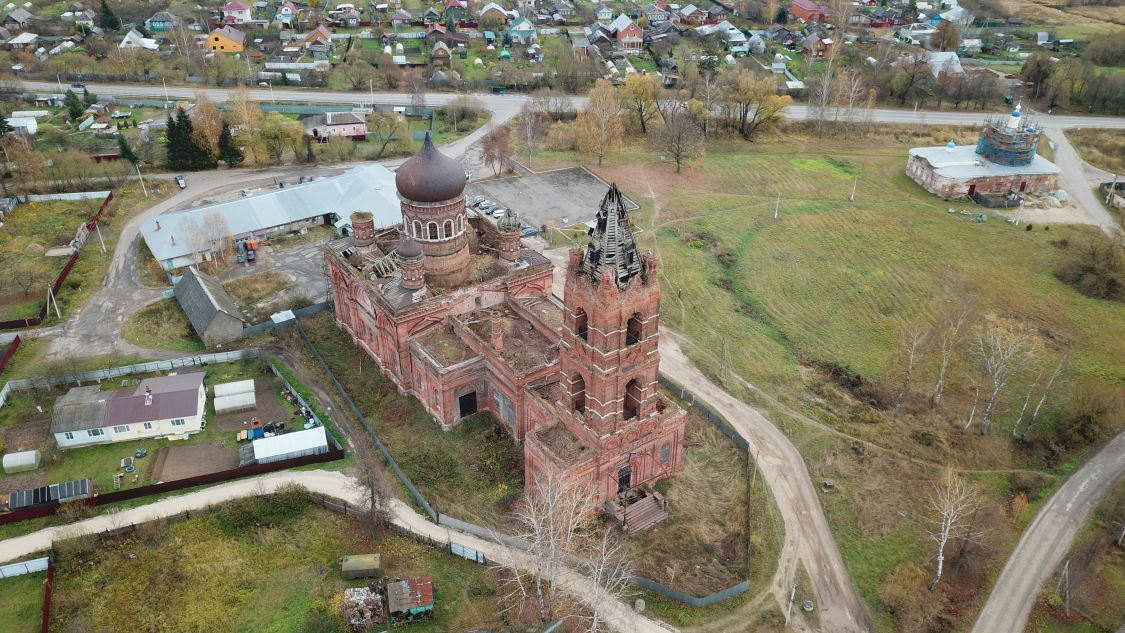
x=4 y=127
x=73 y=106
x=87 y=98
x=126 y=152
x=228 y=151
x=108 y=19
x=173 y=145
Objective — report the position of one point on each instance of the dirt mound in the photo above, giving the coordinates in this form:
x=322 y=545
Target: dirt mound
x=35 y=249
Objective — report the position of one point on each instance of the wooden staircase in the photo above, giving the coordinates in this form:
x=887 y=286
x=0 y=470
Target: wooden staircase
x=643 y=514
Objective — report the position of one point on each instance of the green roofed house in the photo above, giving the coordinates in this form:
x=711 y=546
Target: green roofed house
x=522 y=31
x=360 y=566
x=411 y=599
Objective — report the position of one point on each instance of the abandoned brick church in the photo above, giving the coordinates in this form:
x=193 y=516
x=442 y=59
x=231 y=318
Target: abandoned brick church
x=459 y=314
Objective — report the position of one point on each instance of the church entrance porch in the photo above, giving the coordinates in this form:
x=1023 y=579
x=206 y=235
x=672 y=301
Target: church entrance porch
x=467 y=404
x=636 y=509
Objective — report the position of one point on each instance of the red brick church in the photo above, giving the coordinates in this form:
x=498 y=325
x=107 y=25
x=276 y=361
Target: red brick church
x=456 y=312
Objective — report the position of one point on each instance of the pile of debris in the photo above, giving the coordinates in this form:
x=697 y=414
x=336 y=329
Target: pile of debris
x=362 y=608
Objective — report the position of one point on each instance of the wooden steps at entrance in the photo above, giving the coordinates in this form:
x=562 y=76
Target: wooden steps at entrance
x=643 y=514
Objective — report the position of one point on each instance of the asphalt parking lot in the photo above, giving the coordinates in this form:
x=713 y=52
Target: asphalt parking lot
x=564 y=196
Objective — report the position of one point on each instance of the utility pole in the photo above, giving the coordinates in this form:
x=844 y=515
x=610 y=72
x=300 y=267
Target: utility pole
x=1065 y=578
x=371 y=92
x=1112 y=188
x=777 y=206
x=855 y=183
x=792 y=597
x=98 y=228
x=51 y=301
x=167 y=99
x=137 y=166
x=1120 y=537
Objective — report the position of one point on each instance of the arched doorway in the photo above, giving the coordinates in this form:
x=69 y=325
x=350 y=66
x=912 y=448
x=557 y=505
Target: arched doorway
x=633 y=329
x=578 y=393
x=581 y=323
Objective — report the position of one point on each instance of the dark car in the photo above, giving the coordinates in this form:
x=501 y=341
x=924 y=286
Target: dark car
x=78 y=84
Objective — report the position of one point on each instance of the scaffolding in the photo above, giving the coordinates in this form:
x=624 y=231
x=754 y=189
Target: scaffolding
x=1005 y=145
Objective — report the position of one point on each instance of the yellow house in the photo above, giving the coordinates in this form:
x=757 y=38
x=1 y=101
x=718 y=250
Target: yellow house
x=226 y=40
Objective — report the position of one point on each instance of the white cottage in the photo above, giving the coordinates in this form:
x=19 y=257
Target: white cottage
x=157 y=407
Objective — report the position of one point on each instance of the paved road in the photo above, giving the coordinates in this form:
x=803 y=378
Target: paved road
x=328 y=483
x=1079 y=179
x=506 y=106
x=1048 y=539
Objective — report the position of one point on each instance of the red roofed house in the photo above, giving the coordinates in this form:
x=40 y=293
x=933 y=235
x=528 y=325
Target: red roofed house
x=808 y=11
x=158 y=407
x=235 y=12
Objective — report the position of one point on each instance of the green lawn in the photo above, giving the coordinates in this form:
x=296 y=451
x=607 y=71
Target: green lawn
x=281 y=577
x=21 y=603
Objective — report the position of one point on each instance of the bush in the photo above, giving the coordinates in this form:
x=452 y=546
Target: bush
x=904 y=594
x=290 y=500
x=1026 y=483
x=1090 y=416
x=1095 y=266
x=241 y=514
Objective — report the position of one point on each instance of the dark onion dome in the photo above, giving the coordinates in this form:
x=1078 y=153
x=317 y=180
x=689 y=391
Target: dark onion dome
x=509 y=222
x=430 y=176
x=408 y=248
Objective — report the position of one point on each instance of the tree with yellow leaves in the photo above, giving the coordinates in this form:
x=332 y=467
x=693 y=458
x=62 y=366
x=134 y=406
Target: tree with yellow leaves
x=206 y=124
x=599 y=126
x=638 y=98
x=752 y=99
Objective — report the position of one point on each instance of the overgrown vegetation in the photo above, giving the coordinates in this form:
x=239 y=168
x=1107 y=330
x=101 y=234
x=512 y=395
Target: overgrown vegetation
x=21 y=602
x=1095 y=266
x=1101 y=148
x=162 y=325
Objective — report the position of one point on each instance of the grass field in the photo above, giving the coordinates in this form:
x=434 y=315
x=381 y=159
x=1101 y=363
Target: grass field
x=162 y=325
x=279 y=577
x=251 y=290
x=474 y=472
x=21 y=603
x=1101 y=148
x=836 y=281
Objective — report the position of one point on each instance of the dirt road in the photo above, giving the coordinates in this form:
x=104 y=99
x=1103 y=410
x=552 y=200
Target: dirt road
x=1048 y=539
x=332 y=484
x=1076 y=175
x=807 y=537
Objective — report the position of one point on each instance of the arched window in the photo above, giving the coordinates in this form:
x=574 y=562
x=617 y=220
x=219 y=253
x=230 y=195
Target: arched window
x=461 y=223
x=665 y=452
x=632 y=398
x=581 y=323
x=433 y=230
x=448 y=229
x=417 y=229
x=633 y=329
x=578 y=393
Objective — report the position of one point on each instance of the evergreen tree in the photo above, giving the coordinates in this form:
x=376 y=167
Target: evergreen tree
x=126 y=152
x=73 y=106
x=108 y=19
x=173 y=145
x=4 y=127
x=87 y=98
x=310 y=156
x=228 y=151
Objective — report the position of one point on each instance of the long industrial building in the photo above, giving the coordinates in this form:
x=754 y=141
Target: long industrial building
x=183 y=238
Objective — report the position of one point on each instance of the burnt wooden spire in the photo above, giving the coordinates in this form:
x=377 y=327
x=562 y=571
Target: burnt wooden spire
x=611 y=242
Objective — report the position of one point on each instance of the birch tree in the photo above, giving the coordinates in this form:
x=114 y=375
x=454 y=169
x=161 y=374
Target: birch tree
x=531 y=126
x=218 y=233
x=950 y=334
x=914 y=341
x=608 y=572
x=1022 y=435
x=1002 y=352
x=952 y=504
x=549 y=524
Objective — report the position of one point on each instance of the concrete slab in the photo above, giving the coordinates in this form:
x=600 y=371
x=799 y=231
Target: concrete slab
x=565 y=196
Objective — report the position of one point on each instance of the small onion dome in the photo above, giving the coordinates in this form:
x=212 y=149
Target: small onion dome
x=409 y=249
x=509 y=222
x=951 y=145
x=430 y=176
x=1016 y=114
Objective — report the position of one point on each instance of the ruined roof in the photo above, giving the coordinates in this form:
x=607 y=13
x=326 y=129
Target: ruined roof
x=611 y=241
x=410 y=595
x=441 y=344
x=525 y=349
x=561 y=444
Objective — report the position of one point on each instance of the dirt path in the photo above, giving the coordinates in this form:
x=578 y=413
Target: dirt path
x=1075 y=180
x=1048 y=539
x=808 y=539
x=331 y=484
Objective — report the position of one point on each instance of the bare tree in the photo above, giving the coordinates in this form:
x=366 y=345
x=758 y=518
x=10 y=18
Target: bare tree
x=531 y=126
x=952 y=503
x=377 y=494
x=195 y=236
x=949 y=337
x=1039 y=405
x=496 y=149
x=549 y=522
x=1002 y=352
x=913 y=341
x=680 y=139
x=416 y=86
x=708 y=94
x=607 y=569
x=218 y=233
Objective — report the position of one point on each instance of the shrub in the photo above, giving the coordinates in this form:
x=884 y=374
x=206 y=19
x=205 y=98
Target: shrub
x=1095 y=266
x=1091 y=414
x=241 y=514
x=290 y=500
x=904 y=594
x=1026 y=483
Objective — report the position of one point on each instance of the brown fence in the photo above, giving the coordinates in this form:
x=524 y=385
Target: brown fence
x=9 y=352
x=179 y=484
x=48 y=589
x=59 y=280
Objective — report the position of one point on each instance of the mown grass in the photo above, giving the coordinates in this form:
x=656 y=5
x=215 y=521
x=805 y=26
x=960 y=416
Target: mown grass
x=1100 y=148
x=474 y=472
x=162 y=325
x=278 y=577
x=21 y=603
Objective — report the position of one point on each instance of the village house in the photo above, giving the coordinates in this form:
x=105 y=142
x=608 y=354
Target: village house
x=17 y=19
x=808 y=11
x=692 y=15
x=401 y=18
x=815 y=47
x=574 y=382
x=344 y=124
x=493 y=14
x=627 y=35
x=603 y=13
x=319 y=40
x=431 y=15
x=522 y=31
x=456 y=10
x=439 y=56
x=235 y=12
x=160 y=22
x=717 y=13
x=287 y=14
x=563 y=9
x=135 y=41
x=656 y=12
x=157 y=407
x=22 y=41
x=210 y=309
x=226 y=40
x=85 y=19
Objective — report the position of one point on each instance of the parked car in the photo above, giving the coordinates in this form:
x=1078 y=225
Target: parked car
x=527 y=231
x=475 y=200
x=78 y=84
x=181 y=182
x=498 y=212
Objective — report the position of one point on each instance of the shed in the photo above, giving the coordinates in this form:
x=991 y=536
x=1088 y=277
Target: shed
x=360 y=566
x=312 y=441
x=244 y=401
x=409 y=599
x=210 y=309
x=21 y=461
